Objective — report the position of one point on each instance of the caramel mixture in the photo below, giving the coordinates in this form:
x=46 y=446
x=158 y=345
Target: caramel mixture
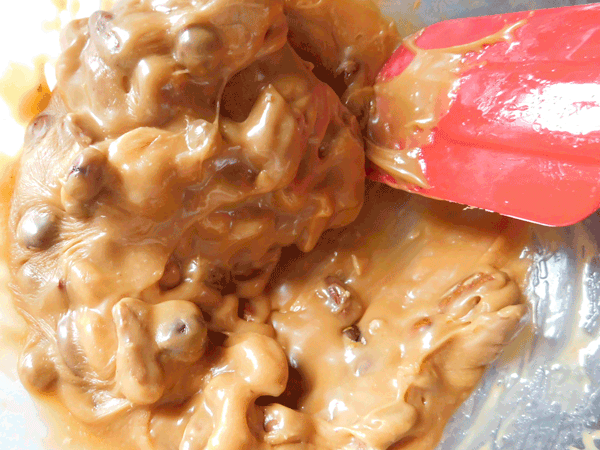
x=391 y=330
x=173 y=249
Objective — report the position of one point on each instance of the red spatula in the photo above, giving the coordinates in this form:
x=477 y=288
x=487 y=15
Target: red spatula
x=519 y=133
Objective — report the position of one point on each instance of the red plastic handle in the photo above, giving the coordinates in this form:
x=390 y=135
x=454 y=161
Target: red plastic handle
x=522 y=137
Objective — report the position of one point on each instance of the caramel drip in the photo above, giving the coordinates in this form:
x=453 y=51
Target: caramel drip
x=409 y=106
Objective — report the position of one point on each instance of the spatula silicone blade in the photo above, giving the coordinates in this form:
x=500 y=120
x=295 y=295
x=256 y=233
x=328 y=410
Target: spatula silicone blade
x=519 y=131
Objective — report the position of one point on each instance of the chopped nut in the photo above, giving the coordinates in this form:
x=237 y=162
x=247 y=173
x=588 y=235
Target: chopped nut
x=354 y=334
x=422 y=323
x=471 y=283
x=338 y=297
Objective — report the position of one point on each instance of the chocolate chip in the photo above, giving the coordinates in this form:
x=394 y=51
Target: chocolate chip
x=183 y=336
x=353 y=333
x=323 y=151
x=37 y=229
x=181 y=328
x=198 y=48
x=85 y=176
x=171 y=276
x=217 y=278
x=245 y=309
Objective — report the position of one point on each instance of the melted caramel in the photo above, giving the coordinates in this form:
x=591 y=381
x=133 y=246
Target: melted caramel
x=184 y=150
x=348 y=41
x=431 y=296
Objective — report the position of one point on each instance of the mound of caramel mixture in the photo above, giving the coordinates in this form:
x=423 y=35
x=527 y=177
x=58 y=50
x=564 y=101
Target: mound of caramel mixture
x=186 y=144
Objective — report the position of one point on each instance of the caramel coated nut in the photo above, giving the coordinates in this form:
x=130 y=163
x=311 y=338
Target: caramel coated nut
x=139 y=375
x=37 y=229
x=150 y=338
x=85 y=176
x=36 y=367
x=162 y=227
x=179 y=330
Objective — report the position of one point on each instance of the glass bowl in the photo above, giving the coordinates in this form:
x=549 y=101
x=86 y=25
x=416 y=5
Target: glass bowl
x=543 y=393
